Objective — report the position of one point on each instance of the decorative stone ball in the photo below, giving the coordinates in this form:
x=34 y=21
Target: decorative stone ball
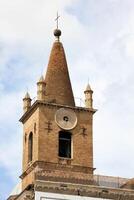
x=57 y=32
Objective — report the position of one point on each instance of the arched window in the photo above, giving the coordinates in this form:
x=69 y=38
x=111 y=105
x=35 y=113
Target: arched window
x=30 y=147
x=64 y=144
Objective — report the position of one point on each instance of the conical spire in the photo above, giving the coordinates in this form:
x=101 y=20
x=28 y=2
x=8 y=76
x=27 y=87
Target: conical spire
x=41 y=79
x=88 y=88
x=58 y=85
x=27 y=96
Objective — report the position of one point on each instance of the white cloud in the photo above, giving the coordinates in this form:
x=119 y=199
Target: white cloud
x=130 y=46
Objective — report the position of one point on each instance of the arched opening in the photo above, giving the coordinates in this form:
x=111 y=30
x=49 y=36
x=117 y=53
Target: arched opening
x=64 y=144
x=30 y=147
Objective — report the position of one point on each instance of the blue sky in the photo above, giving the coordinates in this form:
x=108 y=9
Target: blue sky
x=98 y=37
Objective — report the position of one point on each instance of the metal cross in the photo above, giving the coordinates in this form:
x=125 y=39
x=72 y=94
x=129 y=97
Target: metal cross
x=49 y=126
x=57 y=20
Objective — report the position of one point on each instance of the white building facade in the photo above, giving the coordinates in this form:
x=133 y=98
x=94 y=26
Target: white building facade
x=54 y=196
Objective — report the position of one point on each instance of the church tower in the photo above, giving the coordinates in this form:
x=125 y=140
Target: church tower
x=57 y=135
x=58 y=141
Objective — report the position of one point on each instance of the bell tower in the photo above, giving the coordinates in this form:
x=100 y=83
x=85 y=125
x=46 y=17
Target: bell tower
x=57 y=135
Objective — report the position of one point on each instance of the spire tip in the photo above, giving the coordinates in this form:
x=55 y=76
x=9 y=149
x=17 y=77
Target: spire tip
x=57 y=31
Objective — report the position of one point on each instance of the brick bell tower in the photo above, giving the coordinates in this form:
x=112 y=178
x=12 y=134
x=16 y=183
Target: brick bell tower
x=57 y=135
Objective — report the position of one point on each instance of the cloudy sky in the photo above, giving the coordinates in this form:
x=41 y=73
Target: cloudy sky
x=98 y=37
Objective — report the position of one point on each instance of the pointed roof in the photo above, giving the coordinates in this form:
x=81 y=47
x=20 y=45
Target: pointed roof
x=27 y=96
x=88 y=88
x=41 y=80
x=58 y=85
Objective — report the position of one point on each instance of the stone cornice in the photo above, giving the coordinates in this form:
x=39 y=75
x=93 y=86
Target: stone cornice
x=84 y=190
x=38 y=166
x=37 y=103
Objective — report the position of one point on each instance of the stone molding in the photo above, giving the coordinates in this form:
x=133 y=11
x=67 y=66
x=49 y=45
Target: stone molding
x=38 y=102
x=41 y=167
x=84 y=190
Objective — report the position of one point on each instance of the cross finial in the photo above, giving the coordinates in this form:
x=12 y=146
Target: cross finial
x=57 y=20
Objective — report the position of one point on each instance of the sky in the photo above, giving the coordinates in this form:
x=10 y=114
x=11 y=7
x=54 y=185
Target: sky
x=98 y=37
